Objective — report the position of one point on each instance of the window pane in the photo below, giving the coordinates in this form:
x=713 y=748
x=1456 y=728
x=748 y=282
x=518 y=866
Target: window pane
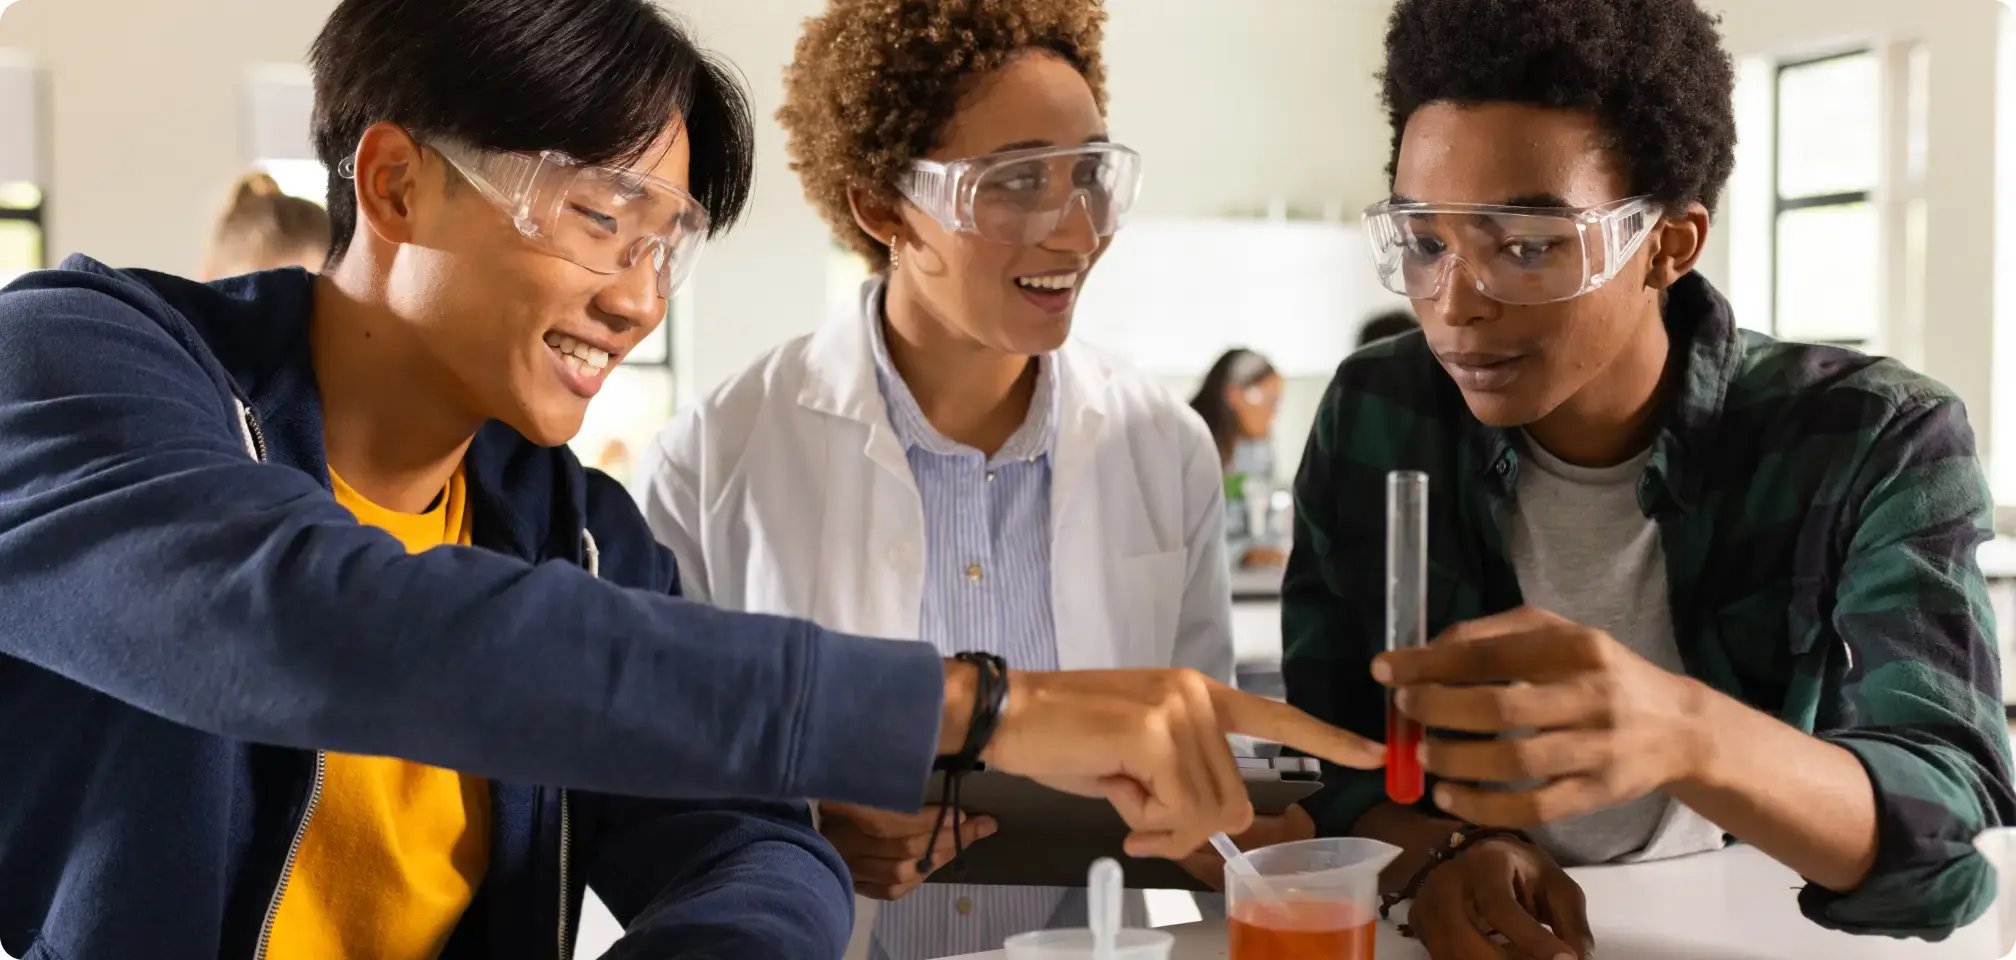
x=1828 y=125
x=654 y=350
x=20 y=249
x=20 y=196
x=1828 y=275
x=306 y=179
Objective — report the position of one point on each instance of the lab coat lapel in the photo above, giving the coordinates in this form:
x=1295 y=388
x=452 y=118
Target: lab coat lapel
x=866 y=463
x=840 y=382
x=1081 y=595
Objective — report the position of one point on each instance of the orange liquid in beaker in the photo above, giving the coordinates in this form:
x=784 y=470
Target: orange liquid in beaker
x=1302 y=930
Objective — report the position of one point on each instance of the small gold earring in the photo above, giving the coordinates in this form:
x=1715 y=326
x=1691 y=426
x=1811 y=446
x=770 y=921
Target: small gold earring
x=893 y=261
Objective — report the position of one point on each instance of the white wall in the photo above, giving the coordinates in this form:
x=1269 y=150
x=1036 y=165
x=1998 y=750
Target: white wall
x=1960 y=37
x=145 y=127
x=767 y=280
x=2004 y=352
x=1234 y=106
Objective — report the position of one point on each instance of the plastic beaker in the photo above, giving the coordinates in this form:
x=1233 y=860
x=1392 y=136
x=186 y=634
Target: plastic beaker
x=1320 y=900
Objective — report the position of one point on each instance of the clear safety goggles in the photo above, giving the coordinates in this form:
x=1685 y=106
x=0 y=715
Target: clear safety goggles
x=1022 y=196
x=1515 y=255
x=603 y=218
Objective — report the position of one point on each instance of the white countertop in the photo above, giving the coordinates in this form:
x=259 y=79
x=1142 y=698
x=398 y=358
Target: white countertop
x=1736 y=904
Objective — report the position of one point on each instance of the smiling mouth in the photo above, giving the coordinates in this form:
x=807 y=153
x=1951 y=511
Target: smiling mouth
x=1052 y=293
x=1049 y=283
x=580 y=358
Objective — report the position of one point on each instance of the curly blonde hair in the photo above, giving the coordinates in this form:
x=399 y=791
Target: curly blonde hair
x=874 y=82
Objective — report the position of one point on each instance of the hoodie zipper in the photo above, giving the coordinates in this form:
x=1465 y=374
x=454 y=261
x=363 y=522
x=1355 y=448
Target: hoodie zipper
x=255 y=444
x=255 y=438
x=566 y=850
x=293 y=853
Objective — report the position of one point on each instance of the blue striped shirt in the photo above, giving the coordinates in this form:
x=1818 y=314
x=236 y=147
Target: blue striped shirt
x=986 y=588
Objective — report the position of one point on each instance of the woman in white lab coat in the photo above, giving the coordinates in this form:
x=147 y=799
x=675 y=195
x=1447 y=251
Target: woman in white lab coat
x=945 y=464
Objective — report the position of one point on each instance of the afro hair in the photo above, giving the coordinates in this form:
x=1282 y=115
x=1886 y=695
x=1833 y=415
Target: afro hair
x=1653 y=72
x=874 y=83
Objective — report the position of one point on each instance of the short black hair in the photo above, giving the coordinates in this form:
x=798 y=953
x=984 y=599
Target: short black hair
x=1653 y=72
x=1387 y=323
x=595 y=79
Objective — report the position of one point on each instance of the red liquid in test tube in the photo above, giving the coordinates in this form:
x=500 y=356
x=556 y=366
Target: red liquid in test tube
x=1404 y=780
x=1406 y=620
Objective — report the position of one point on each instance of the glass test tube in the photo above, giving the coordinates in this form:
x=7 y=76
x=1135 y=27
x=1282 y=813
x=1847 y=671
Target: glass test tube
x=1406 y=619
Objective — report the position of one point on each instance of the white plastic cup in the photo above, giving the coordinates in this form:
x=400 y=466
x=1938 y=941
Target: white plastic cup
x=1077 y=945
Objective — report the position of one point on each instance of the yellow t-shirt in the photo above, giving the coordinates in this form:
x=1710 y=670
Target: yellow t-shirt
x=396 y=849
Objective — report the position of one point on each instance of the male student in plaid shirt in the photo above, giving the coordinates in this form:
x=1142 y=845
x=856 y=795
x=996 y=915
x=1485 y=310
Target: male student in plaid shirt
x=1730 y=582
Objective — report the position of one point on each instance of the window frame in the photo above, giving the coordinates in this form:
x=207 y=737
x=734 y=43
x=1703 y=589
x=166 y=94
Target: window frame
x=1782 y=205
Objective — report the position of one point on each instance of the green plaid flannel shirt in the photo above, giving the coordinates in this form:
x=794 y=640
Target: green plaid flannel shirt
x=1819 y=511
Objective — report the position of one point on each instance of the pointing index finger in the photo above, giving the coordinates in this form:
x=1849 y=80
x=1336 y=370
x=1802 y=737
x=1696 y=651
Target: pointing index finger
x=1240 y=712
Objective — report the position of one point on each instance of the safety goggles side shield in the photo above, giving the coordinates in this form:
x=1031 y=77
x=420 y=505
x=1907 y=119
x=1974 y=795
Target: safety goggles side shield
x=1515 y=255
x=1022 y=196
x=603 y=218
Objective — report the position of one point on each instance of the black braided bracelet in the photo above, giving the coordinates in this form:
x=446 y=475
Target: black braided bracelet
x=990 y=693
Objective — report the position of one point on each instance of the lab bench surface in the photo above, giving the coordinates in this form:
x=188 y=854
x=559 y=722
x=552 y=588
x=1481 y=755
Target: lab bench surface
x=1734 y=904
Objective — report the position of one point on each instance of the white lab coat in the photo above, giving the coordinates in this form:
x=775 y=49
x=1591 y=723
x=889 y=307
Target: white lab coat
x=788 y=492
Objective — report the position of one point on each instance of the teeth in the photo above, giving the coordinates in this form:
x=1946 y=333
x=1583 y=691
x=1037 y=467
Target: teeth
x=580 y=357
x=1061 y=282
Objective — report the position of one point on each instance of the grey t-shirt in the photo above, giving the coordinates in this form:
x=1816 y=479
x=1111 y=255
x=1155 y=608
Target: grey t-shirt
x=1583 y=549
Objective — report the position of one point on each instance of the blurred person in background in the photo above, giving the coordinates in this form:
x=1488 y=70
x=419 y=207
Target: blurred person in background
x=318 y=642
x=1239 y=398
x=264 y=229
x=945 y=462
x=1391 y=323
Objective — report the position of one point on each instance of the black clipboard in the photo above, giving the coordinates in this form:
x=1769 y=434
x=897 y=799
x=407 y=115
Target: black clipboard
x=1049 y=838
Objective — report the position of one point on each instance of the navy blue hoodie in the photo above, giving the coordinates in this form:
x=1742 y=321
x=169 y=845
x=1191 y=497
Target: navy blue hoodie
x=187 y=616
